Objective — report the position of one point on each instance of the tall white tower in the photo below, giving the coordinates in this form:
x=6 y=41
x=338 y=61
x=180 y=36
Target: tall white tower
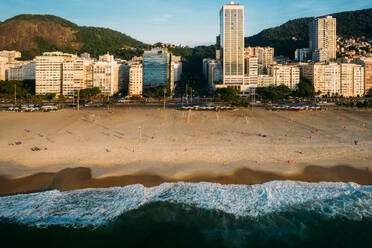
x=323 y=38
x=232 y=44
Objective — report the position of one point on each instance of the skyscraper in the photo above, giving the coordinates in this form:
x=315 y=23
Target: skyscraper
x=232 y=44
x=322 y=34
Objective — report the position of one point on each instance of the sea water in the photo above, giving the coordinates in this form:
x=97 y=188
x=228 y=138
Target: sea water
x=274 y=214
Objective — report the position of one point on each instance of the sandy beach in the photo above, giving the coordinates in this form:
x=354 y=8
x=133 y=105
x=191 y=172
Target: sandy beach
x=151 y=146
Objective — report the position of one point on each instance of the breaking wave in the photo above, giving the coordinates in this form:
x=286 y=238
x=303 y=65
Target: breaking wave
x=100 y=207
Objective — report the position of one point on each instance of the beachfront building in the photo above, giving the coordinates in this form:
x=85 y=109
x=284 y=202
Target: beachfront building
x=232 y=45
x=73 y=76
x=106 y=75
x=366 y=62
x=23 y=71
x=351 y=80
x=48 y=72
x=325 y=77
x=156 y=68
x=288 y=75
x=322 y=42
x=133 y=78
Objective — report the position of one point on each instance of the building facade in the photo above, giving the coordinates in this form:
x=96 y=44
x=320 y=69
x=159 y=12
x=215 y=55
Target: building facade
x=366 y=62
x=352 y=80
x=156 y=68
x=24 y=71
x=288 y=75
x=48 y=72
x=232 y=44
x=322 y=34
x=325 y=77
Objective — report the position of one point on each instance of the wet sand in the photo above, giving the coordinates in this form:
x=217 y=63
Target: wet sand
x=81 y=178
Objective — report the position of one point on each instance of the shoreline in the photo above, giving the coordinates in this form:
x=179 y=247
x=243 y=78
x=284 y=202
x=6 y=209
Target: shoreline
x=81 y=178
x=150 y=145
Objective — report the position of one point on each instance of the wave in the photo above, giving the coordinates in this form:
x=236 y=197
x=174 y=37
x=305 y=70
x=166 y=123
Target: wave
x=99 y=207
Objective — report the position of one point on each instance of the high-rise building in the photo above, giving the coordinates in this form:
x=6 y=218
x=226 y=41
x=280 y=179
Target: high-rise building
x=73 y=76
x=366 y=62
x=106 y=76
x=322 y=34
x=214 y=72
x=48 y=74
x=288 y=75
x=232 y=44
x=325 y=77
x=133 y=78
x=352 y=80
x=265 y=56
x=156 y=68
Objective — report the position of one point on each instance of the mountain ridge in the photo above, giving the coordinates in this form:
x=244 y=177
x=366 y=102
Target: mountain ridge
x=34 y=34
x=289 y=36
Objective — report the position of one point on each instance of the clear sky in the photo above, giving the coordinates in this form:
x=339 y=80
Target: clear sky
x=186 y=22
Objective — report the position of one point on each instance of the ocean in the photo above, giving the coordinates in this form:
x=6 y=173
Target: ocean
x=274 y=214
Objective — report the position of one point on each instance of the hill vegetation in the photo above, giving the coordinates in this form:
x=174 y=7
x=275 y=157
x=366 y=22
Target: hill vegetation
x=295 y=33
x=34 y=34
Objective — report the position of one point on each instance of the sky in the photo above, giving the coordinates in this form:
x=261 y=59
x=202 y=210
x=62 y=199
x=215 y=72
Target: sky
x=185 y=22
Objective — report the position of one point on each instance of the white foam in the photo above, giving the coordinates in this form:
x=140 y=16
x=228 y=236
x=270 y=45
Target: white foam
x=100 y=206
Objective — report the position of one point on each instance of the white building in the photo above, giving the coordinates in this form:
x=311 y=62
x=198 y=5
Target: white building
x=134 y=78
x=288 y=75
x=48 y=74
x=232 y=45
x=265 y=81
x=106 y=75
x=322 y=34
x=73 y=79
x=325 y=77
x=352 y=80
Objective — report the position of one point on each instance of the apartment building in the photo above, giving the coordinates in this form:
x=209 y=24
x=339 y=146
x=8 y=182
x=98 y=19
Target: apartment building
x=322 y=34
x=288 y=75
x=232 y=44
x=325 y=77
x=73 y=76
x=366 y=62
x=133 y=78
x=352 y=80
x=106 y=77
x=11 y=56
x=49 y=72
x=265 y=81
x=265 y=56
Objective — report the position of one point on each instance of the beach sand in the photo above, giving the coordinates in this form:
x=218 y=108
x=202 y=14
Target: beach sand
x=151 y=146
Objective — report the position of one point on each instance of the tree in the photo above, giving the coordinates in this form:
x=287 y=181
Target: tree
x=228 y=95
x=304 y=89
x=276 y=93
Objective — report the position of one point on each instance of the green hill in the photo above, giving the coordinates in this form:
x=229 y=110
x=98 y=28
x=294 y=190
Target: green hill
x=34 y=34
x=295 y=33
